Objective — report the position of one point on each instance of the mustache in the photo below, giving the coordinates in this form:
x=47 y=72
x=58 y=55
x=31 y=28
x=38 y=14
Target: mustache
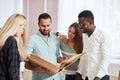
x=46 y=30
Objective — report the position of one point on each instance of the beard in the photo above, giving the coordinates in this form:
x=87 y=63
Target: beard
x=83 y=31
x=44 y=32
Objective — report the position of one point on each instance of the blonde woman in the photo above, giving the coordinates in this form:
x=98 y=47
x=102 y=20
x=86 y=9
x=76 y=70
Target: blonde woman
x=12 y=47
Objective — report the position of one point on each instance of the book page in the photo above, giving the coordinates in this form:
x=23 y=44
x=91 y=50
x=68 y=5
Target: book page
x=38 y=62
x=70 y=60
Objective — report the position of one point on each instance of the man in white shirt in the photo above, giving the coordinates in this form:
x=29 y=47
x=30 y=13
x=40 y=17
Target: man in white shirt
x=94 y=64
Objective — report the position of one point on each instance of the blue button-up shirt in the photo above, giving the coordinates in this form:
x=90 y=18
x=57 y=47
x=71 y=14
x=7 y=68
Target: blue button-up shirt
x=46 y=49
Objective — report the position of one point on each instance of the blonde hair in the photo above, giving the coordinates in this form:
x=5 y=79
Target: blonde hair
x=10 y=29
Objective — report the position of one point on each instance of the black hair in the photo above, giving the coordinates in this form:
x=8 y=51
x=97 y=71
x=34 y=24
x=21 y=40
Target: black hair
x=44 y=16
x=88 y=15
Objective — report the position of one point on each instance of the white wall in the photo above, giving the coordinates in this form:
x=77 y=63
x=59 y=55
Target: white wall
x=7 y=8
x=33 y=8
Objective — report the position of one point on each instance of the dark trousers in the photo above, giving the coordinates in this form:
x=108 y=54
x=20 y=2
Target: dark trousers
x=106 y=77
x=79 y=77
x=70 y=77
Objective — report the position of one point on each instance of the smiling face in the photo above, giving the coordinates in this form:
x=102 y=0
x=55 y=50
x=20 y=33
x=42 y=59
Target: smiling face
x=44 y=26
x=85 y=26
x=71 y=33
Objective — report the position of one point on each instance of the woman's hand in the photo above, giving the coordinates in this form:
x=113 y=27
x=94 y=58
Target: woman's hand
x=65 y=57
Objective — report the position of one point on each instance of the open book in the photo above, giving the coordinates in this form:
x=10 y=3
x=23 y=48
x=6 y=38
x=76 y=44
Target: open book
x=51 y=67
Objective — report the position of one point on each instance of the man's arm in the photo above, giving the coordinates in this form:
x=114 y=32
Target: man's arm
x=61 y=36
x=31 y=65
x=105 y=52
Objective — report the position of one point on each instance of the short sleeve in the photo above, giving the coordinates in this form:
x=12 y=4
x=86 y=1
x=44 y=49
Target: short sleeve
x=30 y=45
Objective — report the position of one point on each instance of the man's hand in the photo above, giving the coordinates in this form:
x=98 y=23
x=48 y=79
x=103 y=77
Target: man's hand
x=97 y=78
x=62 y=36
x=78 y=76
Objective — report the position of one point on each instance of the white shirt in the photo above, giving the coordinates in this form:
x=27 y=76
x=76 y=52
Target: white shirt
x=97 y=58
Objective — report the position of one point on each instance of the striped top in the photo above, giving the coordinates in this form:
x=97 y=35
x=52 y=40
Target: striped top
x=68 y=51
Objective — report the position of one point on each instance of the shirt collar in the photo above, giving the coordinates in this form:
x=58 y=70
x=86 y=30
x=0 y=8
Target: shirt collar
x=39 y=33
x=95 y=31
